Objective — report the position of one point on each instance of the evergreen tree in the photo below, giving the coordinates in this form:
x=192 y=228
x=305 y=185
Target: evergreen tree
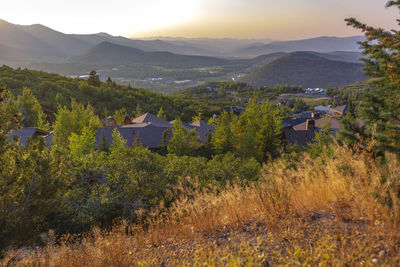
x=119 y=116
x=223 y=137
x=183 y=141
x=103 y=142
x=94 y=79
x=117 y=141
x=380 y=109
x=138 y=112
x=161 y=114
x=32 y=110
x=136 y=141
x=10 y=117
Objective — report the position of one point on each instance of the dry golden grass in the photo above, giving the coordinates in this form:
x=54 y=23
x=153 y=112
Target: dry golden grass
x=342 y=210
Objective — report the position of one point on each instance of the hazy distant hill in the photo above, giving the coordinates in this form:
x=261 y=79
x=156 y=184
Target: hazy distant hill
x=223 y=47
x=145 y=45
x=107 y=53
x=320 y=44
x=67 y=44
x=305 y=68
x=16 y=37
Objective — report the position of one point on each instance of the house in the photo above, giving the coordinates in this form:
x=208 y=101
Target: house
x=153 y=132
x=203 y=130
x=151 y=118
x=318 y=124
x=235 y=109
x=340 y=111
x=303 y=133
x=292 y=121
x=25 y=134
x=322 y=109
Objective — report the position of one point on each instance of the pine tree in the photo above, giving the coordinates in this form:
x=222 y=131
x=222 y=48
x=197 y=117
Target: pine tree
x=94 y=79
x=32 y=110
x=103 y=142
x=380 y=109
x=161 y=114
x=136 y=141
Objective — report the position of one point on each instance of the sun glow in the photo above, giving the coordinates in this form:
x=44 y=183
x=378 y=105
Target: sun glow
x=118 y=17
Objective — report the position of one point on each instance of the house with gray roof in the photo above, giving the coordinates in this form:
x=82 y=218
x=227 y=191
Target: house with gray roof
x=303 y=133
x=152 y=131
x=151 y=118
x=25 y=134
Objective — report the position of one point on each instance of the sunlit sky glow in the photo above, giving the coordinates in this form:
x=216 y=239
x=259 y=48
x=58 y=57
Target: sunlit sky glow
x=276 y=19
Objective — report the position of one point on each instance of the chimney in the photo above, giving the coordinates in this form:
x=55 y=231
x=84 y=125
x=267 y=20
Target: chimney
x=310 y=125
x=127 y=120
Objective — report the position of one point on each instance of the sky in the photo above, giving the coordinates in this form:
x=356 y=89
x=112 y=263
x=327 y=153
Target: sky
x=245 y=19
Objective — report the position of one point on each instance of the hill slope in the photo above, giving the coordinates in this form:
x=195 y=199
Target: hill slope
x=67 y=44
x=11 y=54
x=107 y=53
x=307 y=69
x=16 y=37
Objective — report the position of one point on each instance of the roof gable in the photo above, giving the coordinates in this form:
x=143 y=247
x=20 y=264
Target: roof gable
x=148 y=117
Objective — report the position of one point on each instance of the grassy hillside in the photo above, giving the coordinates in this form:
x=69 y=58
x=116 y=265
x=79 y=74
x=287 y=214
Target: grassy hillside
x=307 y=69
x=329 y=211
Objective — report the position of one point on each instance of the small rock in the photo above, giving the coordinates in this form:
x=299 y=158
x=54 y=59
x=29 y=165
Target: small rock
x=375 y=260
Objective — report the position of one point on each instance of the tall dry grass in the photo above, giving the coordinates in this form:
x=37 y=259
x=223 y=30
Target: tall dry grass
x=343 y=209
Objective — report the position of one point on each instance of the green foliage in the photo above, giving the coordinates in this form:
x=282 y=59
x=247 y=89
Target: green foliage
x=30 y=181
x=53 y=90
x=255 y=133
x=119 y=116
x=10 y=116
x=321 y=142
x=380 y=109
x=94 y=79
x=82 y=144
x=223 y=138
x=161 y=114
x=183 y=141
x=74 y=120
x=117 y=141
x=32 y=110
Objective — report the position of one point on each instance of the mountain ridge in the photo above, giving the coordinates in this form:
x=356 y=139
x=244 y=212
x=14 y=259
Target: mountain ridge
x=305 y=68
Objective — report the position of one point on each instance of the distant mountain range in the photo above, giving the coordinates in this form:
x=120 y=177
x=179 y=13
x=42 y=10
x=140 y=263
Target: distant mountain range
x=265 y=61
x=107 y=53
x=309 y=69
x=320 y=44
x=39 y=42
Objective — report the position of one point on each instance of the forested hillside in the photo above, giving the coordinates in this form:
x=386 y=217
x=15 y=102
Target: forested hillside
x=53 y=90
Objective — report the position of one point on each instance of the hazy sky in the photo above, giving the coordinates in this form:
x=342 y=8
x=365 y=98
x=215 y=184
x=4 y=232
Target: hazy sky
x=276 y=19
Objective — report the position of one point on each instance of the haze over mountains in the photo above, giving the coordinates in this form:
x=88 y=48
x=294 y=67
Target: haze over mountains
x=107 y=53
x=170 y=59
